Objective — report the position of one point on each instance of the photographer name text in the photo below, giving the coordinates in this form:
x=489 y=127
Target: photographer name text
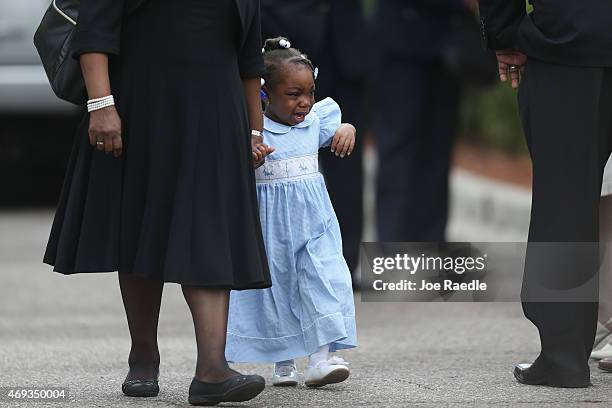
x=447 y=284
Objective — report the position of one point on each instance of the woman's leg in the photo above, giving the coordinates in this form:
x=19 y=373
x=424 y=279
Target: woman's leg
x=209 y=309
x=142 y=301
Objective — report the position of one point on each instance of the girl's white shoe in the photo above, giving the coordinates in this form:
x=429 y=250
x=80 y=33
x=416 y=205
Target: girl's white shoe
x=285 y=376
x=331 y=371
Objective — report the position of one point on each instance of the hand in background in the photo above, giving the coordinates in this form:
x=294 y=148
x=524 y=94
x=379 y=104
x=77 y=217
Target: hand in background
x=343 y=142
x=472 y=5
x=505 y=60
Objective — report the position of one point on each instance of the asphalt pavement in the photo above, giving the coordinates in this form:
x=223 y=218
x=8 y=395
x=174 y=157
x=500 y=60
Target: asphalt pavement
x=70 y=331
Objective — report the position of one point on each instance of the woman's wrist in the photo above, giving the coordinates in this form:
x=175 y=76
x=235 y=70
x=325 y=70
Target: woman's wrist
x=109 y=110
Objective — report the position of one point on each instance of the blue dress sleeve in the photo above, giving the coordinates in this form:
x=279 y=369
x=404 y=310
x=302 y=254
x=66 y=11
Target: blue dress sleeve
x=330 y=117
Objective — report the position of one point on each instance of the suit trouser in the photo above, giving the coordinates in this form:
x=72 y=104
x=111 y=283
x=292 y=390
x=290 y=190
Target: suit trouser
x=416 y=122
x=567 y=118
x=344 y=177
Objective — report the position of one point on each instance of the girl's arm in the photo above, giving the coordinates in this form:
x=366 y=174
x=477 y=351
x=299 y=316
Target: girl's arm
x=104 y=124
x=252 y=86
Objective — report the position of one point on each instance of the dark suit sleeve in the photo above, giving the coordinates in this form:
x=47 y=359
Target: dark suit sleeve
x=352 y=40
x=99 y=27
x=445 y=5
x=500 y=20
x=250 y=58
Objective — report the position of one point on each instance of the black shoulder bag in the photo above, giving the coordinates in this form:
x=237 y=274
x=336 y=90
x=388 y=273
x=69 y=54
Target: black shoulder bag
x=54 y=40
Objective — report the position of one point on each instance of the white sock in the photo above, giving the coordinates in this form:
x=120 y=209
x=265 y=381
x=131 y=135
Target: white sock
x=321 y=355
x=283 y=363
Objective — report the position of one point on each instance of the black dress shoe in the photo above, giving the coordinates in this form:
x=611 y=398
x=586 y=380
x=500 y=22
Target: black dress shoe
x=141 y=388
x=537 y=374
x=530 y=374
x=238 y=388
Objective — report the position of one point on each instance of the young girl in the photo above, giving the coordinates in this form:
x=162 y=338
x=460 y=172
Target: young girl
x=310 y=309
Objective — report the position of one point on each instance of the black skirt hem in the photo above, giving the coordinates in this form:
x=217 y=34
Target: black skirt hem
x=225 y=285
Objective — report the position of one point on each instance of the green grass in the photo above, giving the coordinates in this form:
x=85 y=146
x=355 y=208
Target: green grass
x=491 y=117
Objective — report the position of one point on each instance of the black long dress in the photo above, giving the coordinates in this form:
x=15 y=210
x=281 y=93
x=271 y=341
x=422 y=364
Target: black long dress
x=180 y=204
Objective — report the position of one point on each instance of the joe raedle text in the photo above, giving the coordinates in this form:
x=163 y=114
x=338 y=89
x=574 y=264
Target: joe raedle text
x=446 y=285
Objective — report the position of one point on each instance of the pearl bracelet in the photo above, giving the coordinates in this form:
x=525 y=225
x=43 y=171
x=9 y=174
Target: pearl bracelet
x=100 y=103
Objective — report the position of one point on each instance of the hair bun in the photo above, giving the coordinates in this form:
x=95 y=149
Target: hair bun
x=278 y=43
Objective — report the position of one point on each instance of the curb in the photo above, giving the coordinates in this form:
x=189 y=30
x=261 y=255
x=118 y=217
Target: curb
x=487 y=210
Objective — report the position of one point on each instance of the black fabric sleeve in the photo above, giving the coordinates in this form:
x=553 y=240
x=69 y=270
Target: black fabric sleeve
x=453 y=6
x=99 y=27
x=500 y=22
x=250 y=58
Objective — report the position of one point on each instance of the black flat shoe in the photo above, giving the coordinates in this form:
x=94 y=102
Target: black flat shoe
x=238 y=388
x=141 y=388
x=537 y=374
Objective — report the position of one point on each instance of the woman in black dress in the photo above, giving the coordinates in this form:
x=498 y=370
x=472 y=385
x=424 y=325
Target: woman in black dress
x=160 y=187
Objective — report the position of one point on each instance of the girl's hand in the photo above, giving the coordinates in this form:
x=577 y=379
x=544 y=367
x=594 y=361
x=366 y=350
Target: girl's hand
x=105 y=131
x=343 y=142
x=260 y=150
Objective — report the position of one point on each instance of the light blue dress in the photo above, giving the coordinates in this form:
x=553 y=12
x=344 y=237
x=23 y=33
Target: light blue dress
x=310 y=303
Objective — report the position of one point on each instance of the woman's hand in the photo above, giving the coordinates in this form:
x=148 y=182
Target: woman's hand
x=105 y=127
x=104 y=124
x=343 y=142
x=260 y=150
x=511 y=65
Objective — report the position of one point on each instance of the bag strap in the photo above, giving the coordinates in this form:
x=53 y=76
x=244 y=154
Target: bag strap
x=63 y=14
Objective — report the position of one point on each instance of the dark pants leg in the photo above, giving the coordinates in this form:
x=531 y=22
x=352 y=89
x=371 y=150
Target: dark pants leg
x=567 y=122
x=344 y=177
x=415 y=126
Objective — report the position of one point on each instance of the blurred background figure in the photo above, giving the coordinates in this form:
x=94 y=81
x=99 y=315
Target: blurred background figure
x=603 y=340
x=416 y=113
x=337 y=44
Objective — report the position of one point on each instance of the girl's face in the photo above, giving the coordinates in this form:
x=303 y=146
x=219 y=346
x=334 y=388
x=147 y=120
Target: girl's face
x=292 y=98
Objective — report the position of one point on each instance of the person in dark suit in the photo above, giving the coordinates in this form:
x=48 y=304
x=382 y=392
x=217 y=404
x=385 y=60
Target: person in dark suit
x=563 y=51
x=417 y=103
x=337 y=43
